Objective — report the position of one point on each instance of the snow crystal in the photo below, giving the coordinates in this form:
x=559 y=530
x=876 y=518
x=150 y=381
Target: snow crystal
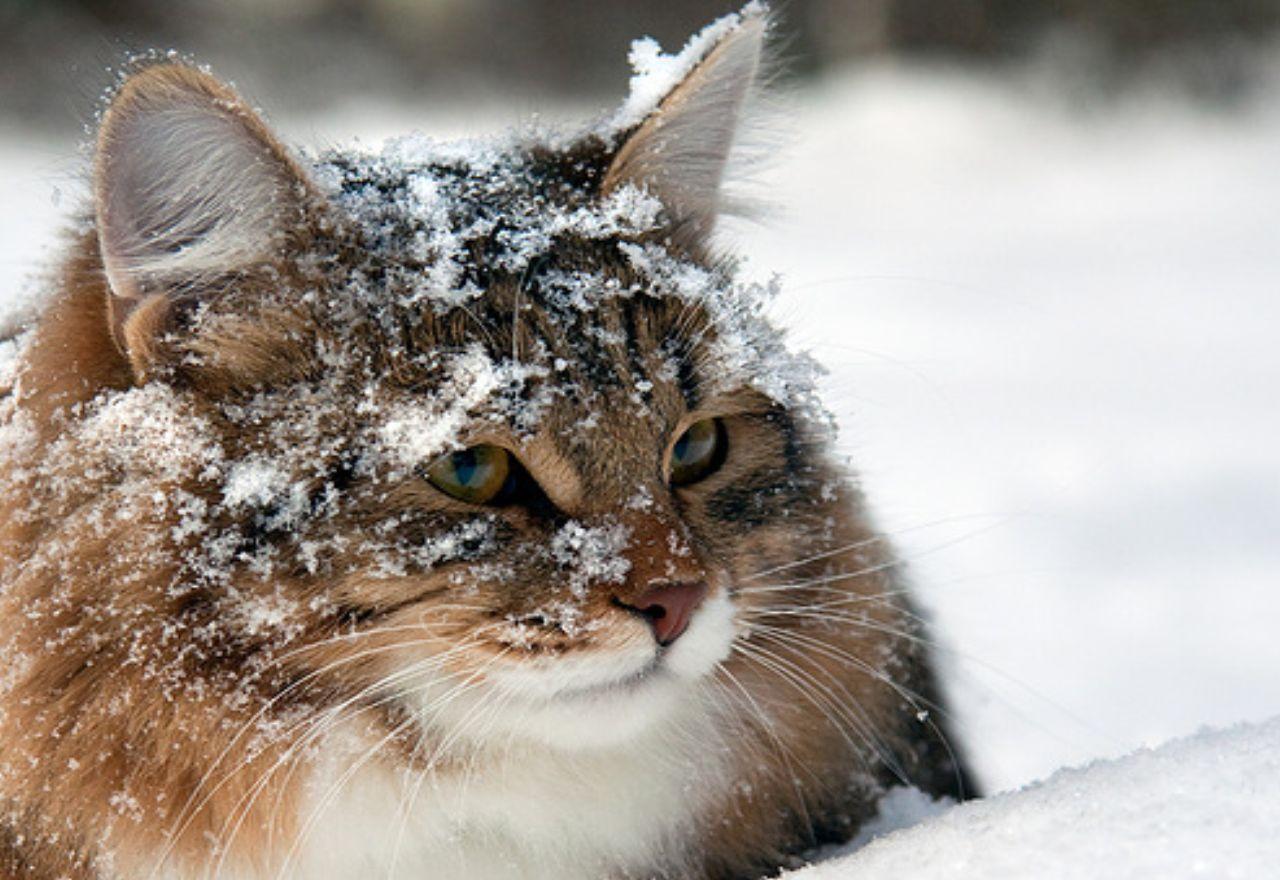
x=8 y=362
x=257 y=483
x=415 y=432
x=274 y=614
x=591 y=555
x=151 y=428
x=425 y=208
x=747 y=349
x=18 y=436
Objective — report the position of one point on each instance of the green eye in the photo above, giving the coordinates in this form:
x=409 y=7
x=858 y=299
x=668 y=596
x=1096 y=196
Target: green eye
x=476 y=475
x=699 y=452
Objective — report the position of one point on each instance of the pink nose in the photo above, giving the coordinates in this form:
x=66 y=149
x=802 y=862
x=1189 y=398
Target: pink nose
x=669 y=608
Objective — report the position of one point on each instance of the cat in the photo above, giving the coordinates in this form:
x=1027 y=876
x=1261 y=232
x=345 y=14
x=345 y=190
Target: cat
x=444 y=511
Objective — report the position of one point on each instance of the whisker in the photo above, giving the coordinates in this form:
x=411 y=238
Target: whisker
x=879 y=538
x=322 y=722
x=824 y=701
x=913 y=698
x=191 y=808
x=785 y=751
x=471 y=682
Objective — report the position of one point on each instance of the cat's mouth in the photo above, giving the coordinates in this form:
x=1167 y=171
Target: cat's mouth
x=592 y=698
x=629 y=665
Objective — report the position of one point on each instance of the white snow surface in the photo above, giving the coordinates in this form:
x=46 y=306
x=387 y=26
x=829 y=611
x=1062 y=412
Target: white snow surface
x=1051 y=335
x=1200 y=807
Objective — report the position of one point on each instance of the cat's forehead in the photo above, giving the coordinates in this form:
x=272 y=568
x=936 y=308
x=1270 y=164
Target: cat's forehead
x=502 y=260
x=463 y=217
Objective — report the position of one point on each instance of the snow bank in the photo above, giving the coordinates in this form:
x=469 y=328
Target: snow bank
x=1201 y=807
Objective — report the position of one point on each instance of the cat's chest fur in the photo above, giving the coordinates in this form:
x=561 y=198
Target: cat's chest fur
x=528 y=812
x=611 y=784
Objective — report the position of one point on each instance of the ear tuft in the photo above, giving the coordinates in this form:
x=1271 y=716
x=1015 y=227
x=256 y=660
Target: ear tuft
x=189 y=186
x=678 y=153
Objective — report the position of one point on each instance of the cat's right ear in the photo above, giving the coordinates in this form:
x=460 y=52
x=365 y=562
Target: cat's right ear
x=679 y=152
x=190 y=190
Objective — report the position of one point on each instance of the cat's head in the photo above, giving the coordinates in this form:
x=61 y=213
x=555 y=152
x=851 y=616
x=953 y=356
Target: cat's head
x=482 y=432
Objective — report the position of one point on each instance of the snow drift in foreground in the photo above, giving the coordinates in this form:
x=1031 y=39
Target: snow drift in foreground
x=1204 y=806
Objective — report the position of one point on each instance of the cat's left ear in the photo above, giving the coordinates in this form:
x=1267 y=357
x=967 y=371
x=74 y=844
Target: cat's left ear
x=191 y=192
x=678 y=153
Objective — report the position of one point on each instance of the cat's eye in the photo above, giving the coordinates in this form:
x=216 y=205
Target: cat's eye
x=476 y=475
x=698 y=452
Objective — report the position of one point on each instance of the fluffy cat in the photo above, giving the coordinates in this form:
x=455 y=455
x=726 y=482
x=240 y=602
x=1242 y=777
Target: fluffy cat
x=448 y=511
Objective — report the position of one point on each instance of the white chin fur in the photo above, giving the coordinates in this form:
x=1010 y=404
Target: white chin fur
x=593 y=700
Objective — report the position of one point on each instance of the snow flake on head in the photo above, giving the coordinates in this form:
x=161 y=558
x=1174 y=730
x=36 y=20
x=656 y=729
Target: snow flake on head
x=149 y=430
x=747 y=348
x=441 y=221
x=259 y=484
x=440 y=227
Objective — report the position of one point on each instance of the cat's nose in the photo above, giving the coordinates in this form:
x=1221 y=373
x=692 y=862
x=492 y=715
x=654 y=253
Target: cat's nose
x=668 y=608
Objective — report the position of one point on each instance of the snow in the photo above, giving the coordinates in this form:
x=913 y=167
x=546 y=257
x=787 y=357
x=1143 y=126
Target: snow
x=1203 y=806
x=1050 y=335
x=591 y=555
x=416 y=431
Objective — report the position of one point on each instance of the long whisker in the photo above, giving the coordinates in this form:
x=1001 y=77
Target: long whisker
x=912 y=697
x=785 y=751
x=878 y=538
x=826 y=649
x=192 y=807
x=824 y=701
x=320 y=723
x=460 y=729
x=360 y=702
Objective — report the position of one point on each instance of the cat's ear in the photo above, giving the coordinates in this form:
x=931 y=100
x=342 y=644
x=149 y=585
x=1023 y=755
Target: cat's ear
x=190 y=189
x=679 y=151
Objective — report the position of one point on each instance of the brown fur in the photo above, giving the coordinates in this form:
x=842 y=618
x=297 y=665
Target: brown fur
x=141 y=715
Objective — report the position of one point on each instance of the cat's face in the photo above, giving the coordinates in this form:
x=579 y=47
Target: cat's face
x=541 y=496
x=490 y=437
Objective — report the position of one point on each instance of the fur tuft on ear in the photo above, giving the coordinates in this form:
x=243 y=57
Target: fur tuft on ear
x=189 y=186
x=679 y=151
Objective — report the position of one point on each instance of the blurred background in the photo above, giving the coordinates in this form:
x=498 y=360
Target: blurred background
x=1036 y=244
x=52 y=52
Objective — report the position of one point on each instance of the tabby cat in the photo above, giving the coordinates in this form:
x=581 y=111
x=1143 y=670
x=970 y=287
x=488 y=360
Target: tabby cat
x=448 y=511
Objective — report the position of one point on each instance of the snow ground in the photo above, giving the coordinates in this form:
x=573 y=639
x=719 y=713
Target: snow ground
x=1201 y=807
x=1054 y=342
